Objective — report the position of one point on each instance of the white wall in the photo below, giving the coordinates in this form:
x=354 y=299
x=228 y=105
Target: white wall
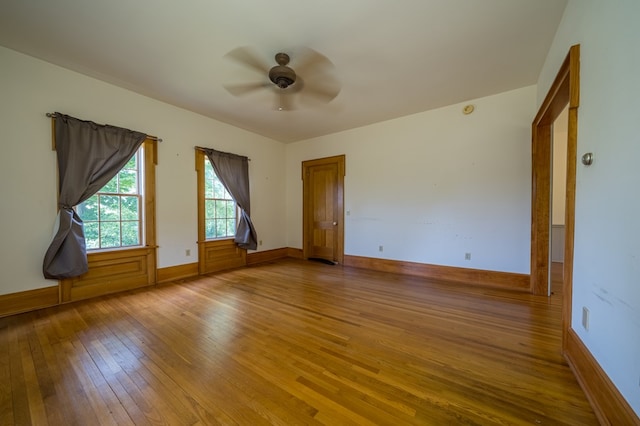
x=30 y=88
x=433 y=186
x=606 y=272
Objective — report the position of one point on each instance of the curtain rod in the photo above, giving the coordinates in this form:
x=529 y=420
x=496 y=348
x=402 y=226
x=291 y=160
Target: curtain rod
x=199 y=148
x=153 y=138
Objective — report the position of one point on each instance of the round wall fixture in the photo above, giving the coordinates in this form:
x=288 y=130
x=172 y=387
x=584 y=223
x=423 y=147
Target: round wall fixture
x=468 y=109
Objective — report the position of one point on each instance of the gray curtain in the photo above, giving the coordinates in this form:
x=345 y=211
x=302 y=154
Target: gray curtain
x=89 y=156
x=233 y=172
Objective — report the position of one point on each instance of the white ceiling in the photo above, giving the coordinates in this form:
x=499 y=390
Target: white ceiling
x=392 y=58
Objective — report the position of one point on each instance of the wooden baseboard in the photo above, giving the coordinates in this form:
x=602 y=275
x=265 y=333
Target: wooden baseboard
x=25 y=301
x=609 y=405
x=507 y=280
x=267 y=256
x=294 y=253
x=46 y=297
x=178 y=272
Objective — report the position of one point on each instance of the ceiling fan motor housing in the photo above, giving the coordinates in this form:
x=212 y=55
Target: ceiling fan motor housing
x=281 y=75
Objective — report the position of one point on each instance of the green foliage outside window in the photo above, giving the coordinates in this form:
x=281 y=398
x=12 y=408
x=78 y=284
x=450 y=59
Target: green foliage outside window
x=112 y=216
x=219 y=207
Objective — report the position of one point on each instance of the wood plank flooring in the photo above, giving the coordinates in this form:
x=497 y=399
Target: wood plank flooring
x=292 y=342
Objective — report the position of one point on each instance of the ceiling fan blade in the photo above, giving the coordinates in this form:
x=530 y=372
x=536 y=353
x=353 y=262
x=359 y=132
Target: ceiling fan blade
x=309 y=61
x=296 y=87
x=325 y=92
x=245 y=88
x=246 y=56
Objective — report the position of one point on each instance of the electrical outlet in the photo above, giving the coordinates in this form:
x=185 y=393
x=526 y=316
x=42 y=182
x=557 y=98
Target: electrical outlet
x=585 y=318
x=467 y=256
x=187 y=252
x=260 y=242
x=380 y=248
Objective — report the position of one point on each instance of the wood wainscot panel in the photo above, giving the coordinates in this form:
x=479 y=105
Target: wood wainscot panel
x=609 y=405
x=506 y=280
x=30 y=300
x=266 y=256
x=177 y=272
x=111 y=272
x=218 y=255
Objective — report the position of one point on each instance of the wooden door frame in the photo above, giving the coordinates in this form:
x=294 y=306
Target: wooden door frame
x=306 y=237
x=564 y=91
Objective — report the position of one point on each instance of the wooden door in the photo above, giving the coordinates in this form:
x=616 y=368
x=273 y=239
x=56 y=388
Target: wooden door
x=323 y=208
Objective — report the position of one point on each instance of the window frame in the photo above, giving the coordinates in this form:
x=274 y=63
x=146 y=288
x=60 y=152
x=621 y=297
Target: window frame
x=214 y=254
x=204 y=163
x=139 y=195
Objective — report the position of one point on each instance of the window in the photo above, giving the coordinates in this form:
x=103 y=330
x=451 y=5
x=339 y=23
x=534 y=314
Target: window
x=220 y=212
x=120 y=231
x=113 y=216
x=217 y=222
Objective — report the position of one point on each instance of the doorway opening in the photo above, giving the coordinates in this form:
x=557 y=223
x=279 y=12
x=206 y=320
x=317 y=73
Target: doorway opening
x=558 y=201
x=564 y=93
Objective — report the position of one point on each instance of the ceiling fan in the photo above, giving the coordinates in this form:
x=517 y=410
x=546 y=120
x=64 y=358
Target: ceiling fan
x=311 y=78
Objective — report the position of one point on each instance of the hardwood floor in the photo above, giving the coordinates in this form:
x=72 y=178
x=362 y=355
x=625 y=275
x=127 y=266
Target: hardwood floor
x=292 y=342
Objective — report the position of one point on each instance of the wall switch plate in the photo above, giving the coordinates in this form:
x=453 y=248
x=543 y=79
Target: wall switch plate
x=187 y=252
x=585 y=318
x=467 y=256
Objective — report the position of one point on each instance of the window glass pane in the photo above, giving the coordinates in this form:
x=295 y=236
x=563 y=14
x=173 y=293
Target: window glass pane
x=231 y=209
x=231 y=227
x=221 y=209
x=209 y=228
x=109 y=207
x=92 y=235
x=128 y=182
x=208 y=188
x=112 y=186
x=89 y=209
x=218 y=189
x=130 y=234
x=221 y=228
x=208 y=170
x=132 y=163
x=129 y=206
x=109 y=234
x=209 y=209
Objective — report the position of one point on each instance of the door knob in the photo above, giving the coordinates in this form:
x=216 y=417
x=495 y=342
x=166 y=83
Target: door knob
x=335 y=223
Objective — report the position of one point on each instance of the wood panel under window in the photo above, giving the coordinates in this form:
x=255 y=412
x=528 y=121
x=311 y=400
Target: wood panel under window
x=111 y=272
